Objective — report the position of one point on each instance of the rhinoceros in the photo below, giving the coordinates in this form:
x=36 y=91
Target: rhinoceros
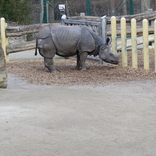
x=68 y=41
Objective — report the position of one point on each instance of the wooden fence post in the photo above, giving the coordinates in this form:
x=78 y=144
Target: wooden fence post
x=155 y=43
x=145 y=44
x=113 y=32
x=104 y=28
x=4 y=39
x=134 y=44
x=123 y=42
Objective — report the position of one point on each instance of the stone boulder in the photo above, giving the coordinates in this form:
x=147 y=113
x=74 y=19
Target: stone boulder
x=3 y=72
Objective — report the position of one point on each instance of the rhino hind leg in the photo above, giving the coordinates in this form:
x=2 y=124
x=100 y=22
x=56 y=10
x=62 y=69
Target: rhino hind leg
x=82 y=59
x=49 y=63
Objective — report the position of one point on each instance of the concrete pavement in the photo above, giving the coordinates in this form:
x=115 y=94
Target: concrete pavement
x=26 y=55
x=117 y=119
x=111 y=120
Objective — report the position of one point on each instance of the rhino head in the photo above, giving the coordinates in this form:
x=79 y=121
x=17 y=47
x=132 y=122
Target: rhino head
x=105 y=53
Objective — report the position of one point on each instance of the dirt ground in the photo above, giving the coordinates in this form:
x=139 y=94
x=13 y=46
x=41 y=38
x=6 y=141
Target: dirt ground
x=35 y=72
x=103 y=111
x=116 y=119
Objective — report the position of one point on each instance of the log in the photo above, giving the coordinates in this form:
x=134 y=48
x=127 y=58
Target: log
x=139 y=17
x=139 y=41
x=139 y=31
x=14 y=31
x=77 y=22
x=3 y=72
x=13 y=48
x=86 y=18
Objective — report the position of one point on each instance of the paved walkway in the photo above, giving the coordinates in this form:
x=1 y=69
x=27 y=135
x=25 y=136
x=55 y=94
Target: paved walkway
x=24 y=55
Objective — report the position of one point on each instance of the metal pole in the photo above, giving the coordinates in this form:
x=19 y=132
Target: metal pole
x=88 y=7
x=67 y=10
x=131 y=7
x=45 y=11
x=119 y=8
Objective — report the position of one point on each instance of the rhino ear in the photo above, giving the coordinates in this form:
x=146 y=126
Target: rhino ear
x=108 y=41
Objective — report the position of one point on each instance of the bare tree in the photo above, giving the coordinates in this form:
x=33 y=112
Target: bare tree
x=145 y=5
x=112 y=6
x=125 y=7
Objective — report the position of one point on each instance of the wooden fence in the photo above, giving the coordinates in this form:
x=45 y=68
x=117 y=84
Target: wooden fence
x=14 y=31
x=134 y=41
x=100 y=28
x=146 y=37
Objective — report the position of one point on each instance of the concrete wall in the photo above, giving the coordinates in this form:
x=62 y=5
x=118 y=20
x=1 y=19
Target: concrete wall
x=3 y=72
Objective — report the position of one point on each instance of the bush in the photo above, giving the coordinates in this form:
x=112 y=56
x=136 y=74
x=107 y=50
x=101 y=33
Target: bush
x=16 y=10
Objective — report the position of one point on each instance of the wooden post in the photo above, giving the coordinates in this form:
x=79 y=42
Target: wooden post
x=104 y=28
x=145 y=44
x=155 y=42
x=4 y=39
x=134 y=44
x=123 y=42
x=113 y=32
x=47 y=11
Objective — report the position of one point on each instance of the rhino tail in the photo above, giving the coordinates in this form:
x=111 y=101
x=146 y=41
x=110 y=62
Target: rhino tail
x=36 y=46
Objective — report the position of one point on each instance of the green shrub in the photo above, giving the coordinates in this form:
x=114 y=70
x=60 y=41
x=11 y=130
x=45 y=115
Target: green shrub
x=16 y=10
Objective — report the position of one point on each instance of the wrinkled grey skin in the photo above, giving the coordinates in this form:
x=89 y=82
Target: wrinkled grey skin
x=68 y=41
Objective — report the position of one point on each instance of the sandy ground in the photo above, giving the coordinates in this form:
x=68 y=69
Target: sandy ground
x=113 y=119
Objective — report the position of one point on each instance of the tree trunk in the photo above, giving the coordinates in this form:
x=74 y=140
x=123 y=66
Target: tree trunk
x=125 y=7
x=67 y=10
x=145 y=5
x=51 y=11
x=112 y=6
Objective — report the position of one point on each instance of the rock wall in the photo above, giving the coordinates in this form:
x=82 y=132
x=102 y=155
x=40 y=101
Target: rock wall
x=3 y=72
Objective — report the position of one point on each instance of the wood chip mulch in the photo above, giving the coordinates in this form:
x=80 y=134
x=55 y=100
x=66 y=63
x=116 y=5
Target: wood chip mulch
x=96 y=74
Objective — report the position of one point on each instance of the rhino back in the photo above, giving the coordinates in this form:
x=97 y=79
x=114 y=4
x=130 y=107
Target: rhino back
x=66 y=39
x=87 y=42
x=45 y=31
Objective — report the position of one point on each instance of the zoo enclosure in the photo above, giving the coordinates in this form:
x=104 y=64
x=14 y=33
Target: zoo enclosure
x=14 y=31
x=114 y=22
x=96 y=8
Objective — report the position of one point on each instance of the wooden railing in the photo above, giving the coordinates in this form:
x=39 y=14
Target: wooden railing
x=15 y=31
x=98 y=27
x=133 y=41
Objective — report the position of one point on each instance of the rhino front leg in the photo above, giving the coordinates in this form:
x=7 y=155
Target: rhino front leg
x=49 y=63
x=78 y=63
x=83 y=57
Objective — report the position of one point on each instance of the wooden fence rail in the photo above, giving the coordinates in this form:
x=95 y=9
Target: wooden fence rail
x=139 y=17
x=15 y=31
x=95 y=26
x=100 y=28
x=122 y=45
